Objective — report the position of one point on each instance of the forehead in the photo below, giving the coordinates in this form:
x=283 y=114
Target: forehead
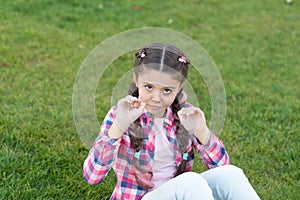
x=158 y=78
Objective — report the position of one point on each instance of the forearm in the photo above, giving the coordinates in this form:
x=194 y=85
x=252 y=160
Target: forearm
x=100 y=159
x=203 y=135
x=115 y=131
x=103 y=152
x=213 y=153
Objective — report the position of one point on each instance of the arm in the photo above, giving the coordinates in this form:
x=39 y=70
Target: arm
x=103 y=153
x=106 y=146
x=213 y=153
x=208 y=146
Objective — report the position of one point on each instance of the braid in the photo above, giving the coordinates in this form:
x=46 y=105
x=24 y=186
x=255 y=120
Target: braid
x=181 y=133
x=136 y=139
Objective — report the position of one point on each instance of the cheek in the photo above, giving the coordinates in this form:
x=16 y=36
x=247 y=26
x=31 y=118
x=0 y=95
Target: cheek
x=143 y=95
x=169 y=100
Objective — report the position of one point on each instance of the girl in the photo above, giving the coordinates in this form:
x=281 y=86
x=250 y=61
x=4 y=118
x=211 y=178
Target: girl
x=150 y=136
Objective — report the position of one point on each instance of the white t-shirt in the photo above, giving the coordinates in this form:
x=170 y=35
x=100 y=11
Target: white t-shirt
x=164 y=165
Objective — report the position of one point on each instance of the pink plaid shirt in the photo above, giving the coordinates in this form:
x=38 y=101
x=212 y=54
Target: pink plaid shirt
x=118 y=154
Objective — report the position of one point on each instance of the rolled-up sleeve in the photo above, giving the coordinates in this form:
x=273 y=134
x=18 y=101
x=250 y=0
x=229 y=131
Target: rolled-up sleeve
x=213 y=154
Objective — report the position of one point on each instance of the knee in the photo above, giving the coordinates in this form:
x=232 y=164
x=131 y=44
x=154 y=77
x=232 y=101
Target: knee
x=232 y=183
x=233 y=171
x=192 y=180
x=192 y=177
x=231 y=176
x=193 y=186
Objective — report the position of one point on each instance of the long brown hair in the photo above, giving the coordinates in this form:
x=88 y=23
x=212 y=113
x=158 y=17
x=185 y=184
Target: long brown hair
x=165 y=58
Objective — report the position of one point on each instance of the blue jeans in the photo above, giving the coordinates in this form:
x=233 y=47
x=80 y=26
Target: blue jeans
x=225 y=182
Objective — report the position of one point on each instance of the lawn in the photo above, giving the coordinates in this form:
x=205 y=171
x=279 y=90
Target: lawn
x=255 y=45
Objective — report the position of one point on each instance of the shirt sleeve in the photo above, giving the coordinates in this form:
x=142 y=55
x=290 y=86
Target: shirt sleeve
x=103 y=153
x=213 y=154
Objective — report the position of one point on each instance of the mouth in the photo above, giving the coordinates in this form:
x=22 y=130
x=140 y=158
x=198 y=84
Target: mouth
x=154 y=107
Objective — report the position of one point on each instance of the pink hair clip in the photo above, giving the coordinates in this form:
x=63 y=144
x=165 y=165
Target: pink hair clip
x=142 y=54
x=182 y=59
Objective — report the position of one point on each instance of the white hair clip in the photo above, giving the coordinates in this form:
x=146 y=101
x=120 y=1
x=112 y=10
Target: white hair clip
x=182 y=59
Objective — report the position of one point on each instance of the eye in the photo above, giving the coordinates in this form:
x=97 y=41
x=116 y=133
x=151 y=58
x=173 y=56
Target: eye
x=167 y=91
x=148 y=87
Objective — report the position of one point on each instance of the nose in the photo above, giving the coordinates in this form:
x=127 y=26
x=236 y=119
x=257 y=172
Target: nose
x=156 y=96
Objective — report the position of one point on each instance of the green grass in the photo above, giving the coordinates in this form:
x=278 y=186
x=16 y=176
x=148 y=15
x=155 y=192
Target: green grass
x=255 y=45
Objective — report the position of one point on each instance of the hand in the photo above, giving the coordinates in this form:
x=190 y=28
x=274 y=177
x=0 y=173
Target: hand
x=128 y=110
x=193 y=120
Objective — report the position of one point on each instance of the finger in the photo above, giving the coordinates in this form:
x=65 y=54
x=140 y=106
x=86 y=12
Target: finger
x=181 y=115
x=184 y=111
x=198 y=111
x=123 y=101
x=135 y=102
x=141 y=106
x=126 y=102
x=190 y=111
x=187 y=111
x=195 y=111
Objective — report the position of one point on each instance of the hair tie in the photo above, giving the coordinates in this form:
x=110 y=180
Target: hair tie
x=141 y=54
x=182 y=59
x=137 y=154
x=185 y=156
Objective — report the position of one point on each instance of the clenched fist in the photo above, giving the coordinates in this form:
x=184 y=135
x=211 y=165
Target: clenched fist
x=193 y=120
x=129 y=109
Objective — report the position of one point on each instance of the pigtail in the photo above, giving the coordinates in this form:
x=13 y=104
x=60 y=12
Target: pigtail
x=181 y=134
x=136 y=139
x=133 y=90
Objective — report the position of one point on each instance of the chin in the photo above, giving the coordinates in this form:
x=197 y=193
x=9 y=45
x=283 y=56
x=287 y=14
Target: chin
x=157 y=113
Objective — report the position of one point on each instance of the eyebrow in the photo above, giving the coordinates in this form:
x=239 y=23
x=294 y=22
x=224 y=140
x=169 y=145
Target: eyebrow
x=170 y=87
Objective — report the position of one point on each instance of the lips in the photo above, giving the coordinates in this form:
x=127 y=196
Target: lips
x=154 y=107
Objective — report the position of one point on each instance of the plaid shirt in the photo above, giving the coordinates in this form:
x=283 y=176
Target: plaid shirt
x=118 y=154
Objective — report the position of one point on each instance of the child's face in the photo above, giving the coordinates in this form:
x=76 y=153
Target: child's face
x=157 y=90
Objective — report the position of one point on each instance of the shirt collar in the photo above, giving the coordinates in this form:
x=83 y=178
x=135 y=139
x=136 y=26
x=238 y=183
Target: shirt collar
x=169 y=117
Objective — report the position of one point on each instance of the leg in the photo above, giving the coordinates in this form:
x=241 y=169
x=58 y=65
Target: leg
x=187 y=186
x=229 y=182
